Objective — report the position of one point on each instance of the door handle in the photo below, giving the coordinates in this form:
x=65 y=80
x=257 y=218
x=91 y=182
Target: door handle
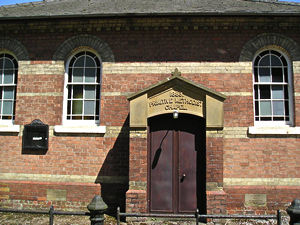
x=182 y=177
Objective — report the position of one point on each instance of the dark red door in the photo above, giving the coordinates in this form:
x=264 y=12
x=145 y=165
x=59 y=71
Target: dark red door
x=173 y=163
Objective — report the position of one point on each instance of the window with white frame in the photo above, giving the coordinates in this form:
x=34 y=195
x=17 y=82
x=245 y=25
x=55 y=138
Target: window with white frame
x=8 y=82
x=82 y=94
x=272 y=89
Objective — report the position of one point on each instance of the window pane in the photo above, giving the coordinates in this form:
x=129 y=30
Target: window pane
x=265 y=108
x=98 y=92
x=98 y=75
x=275 y=53
x=90 y=92
x=97 y=109
x=286 y=94
x=286 y=76
x=265 y=92
x=1 y=62
x=256 y=61
x=278 y=108
x=265 y=61
x=8 y=77
x=256 y=108
x=78 y=91
x=283 y=61
x=97 y=62
x=90 y=75
x=278 y=118
x=8 y=64
x=277 y=92
x=256 y=92
x=8 y=93
x=90 y=62
x=7 y=107
x=275 y=61
x=277 y=75
x=77 y=74
x=70 y=87
x=89 y=108
x=69 y=107
x=286 y=105
x=0 y=108
x=264 y=75
x=266 y=118
x=1 y=72
x=79 y=62
x=72 y=61
x=84 y=67
x=255 y=74
x=77 y=107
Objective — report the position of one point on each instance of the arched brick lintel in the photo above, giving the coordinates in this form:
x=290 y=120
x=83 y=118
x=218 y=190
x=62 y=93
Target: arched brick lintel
x=93 y=42
x=15 y=47
x=270 y=39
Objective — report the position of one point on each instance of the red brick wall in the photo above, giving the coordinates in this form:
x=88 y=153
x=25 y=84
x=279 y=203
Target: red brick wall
x=262 y=157
x=153 y=39
x=28 y=194
x=214 y=160
x=218 y=39
x=278 y=197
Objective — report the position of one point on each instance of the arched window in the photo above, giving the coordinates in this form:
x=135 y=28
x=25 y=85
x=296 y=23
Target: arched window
x=8 y=82
x=272 y=89
x=82 y=95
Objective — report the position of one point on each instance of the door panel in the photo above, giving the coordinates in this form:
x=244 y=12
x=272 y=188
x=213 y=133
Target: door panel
x=161 y=171
x=187 y=172
x=173 y=167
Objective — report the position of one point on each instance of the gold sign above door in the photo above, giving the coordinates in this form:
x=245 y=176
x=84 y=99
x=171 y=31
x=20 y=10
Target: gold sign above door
x=174 y=100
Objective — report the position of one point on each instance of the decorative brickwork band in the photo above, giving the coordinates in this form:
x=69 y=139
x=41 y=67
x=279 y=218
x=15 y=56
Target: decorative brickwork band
x=14 y=47
x=263 y=40
x=93 y=42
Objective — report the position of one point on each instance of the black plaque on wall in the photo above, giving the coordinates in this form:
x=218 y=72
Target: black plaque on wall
x=35 y=136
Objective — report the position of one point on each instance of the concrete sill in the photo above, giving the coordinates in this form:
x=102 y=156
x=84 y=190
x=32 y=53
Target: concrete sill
x=60 y=129
x=10 y=129
x=274 y=130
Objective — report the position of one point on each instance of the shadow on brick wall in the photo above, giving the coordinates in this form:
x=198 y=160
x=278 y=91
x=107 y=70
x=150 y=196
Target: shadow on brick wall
x=114 y=173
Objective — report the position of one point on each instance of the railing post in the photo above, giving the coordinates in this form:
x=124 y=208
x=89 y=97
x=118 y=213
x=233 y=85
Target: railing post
x=118 y=215
x=278 y=217
x=294 y=212
x=97 y=207
x=197 y=216
x=51 y=215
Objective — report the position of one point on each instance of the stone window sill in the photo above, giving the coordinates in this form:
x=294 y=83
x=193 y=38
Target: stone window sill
x=9 y=128
x=60 y=129
x=274 y=130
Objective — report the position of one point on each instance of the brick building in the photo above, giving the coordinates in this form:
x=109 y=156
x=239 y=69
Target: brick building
x=158 y=106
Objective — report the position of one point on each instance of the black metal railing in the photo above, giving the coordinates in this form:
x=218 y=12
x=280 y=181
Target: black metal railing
x=51 y=212
x=198 y=217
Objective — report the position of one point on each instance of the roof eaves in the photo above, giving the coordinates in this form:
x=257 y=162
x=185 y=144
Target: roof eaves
x=55 y=16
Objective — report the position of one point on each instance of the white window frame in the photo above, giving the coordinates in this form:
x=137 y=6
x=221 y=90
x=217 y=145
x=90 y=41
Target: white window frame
x=79 y=123
x=8 y=122
x=275 y=123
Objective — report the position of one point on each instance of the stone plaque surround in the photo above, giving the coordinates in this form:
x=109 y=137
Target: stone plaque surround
x=179 y=94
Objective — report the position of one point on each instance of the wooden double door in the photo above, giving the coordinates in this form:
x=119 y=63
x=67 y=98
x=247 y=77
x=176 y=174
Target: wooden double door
x=176 y=163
